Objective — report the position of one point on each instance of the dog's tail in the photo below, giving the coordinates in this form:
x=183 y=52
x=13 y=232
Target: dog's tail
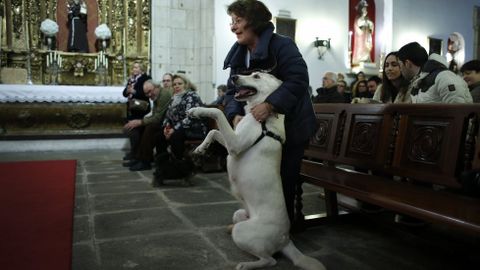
x=301 y=260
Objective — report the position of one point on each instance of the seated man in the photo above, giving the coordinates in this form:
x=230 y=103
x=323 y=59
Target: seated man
x=372 y=84
x=148 y=127
x=328 y=92
x=221 y=90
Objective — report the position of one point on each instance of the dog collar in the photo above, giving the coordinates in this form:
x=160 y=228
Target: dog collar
x=266 y=132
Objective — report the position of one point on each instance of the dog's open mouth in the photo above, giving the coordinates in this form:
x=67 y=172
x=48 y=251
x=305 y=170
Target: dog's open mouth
x=244 y=92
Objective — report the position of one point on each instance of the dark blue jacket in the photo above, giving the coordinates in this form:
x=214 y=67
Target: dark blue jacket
x=291 y=98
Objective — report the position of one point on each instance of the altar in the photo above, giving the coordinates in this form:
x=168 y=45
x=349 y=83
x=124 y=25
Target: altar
x=45 y=111
x=35 y=47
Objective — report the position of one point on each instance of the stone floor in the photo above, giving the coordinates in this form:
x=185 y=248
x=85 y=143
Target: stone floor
x=121 y=222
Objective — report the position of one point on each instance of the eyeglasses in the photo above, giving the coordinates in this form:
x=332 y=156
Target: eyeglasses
x=166 y=80
x=236 y=21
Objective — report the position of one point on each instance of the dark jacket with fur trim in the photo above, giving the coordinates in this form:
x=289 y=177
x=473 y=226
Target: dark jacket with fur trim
x=291 y=98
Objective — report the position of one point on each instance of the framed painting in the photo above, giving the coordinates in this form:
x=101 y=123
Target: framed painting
x=285 y=26
x=435 y=45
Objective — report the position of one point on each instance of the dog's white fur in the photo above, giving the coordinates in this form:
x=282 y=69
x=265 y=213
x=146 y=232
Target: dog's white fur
x=262 y=227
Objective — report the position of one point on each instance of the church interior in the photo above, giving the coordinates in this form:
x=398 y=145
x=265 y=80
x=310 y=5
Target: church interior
x=64 y=65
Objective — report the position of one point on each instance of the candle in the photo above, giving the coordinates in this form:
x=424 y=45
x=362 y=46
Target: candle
x=48 y=60
x=96 y=64
x=106 y=65
x=124 y=41
x=350 y=40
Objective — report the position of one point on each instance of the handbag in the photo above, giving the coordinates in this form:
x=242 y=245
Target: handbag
x=138 y=104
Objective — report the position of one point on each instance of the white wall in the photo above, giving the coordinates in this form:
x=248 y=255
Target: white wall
x=416 y=20
x=404 y=21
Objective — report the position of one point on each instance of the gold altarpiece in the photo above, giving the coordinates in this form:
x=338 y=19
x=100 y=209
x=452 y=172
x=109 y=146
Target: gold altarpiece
x=24 y=47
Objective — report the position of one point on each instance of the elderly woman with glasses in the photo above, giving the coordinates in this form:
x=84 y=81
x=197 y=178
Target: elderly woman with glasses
x=258 y=47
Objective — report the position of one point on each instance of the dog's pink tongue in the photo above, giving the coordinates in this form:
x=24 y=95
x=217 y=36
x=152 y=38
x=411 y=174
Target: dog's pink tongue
x=242 y=92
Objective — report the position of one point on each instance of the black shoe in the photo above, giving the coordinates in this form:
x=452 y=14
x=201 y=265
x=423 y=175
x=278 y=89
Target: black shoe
x=409 y=221
x=130 y=163
x=141 y=166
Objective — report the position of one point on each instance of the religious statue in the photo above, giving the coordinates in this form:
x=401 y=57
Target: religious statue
x=77 y=24
x=455 y=51
x=363 y=35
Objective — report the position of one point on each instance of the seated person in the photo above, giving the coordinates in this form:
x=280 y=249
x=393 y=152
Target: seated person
x=134 y=91
x=178 y=127
x=342 y=88
x=471 y=75
x=373 y=83
x=221 y=90
x=149 y=127
x=328 y=92
x=362 y=90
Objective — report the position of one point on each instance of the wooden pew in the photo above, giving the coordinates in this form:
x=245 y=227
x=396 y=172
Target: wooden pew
x=429 y=145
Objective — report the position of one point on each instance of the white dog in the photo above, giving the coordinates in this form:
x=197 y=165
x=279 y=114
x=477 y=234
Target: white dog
x=253 y=164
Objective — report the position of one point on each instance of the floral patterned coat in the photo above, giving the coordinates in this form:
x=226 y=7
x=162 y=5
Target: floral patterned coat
x=176 y=116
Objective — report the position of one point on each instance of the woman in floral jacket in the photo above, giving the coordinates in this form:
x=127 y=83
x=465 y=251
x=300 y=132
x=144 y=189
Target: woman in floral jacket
x=177 y=125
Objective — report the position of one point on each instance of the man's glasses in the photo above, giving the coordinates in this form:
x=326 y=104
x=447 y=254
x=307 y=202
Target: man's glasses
x=166 y=80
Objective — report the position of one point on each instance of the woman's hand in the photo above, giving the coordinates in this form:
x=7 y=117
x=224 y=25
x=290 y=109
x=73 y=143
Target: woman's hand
x=262 y=111
x=130 y=89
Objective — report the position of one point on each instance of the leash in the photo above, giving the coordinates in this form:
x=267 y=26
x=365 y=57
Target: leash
x=266 y=132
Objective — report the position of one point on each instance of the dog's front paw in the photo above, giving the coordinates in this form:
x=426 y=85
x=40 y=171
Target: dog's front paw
x=194 y=112
x=200 y=150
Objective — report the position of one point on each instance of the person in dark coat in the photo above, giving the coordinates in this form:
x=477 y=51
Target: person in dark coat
x=328 y=93
x=134 y=90
x=257 y=47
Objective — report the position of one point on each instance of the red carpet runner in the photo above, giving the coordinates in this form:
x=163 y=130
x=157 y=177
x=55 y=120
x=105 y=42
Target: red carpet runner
x=36 y=214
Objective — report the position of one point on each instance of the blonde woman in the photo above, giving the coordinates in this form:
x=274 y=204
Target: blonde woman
x=178 y=126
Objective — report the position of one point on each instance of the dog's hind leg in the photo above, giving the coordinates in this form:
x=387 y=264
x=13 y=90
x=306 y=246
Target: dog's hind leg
x=301 y=260
x=249 y=237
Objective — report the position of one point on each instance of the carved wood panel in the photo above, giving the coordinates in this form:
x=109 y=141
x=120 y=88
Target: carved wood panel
x=426 y=144
x=363 y=136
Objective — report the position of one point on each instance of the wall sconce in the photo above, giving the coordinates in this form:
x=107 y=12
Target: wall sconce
x=322 y=46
